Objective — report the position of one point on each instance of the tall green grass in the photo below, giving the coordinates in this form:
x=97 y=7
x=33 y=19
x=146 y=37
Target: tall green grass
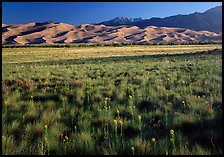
x=168 y=104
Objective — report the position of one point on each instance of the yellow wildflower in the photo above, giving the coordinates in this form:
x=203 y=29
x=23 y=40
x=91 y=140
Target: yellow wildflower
x=133 y=148
x=153 y=139
x=139 y=117
x=45 y=126
x=130 y=97
x=120 y=121
x=115 y=121
x=118 y=111
x=171 y=131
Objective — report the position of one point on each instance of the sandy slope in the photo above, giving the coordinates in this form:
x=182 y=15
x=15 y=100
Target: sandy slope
x=49 y=33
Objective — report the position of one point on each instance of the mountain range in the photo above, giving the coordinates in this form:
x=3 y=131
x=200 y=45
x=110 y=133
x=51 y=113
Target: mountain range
x=196 y=27
x=121 y=21
x=210 y=20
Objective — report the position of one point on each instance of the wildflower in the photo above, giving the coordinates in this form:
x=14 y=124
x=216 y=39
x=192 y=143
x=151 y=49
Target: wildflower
x=133 y=150
x=139 y=117
x=172 y=140
x=183 y=82
x=120 y=121
x=45 y=126
x=198 y=97
x=66 y=137
x=134 y=106
x=153 y=139
x=130 y=97
x=100 y=110
x=115 y=121
x=171 y=131
x=118 y=111
x=183 y=102
x=130 y=106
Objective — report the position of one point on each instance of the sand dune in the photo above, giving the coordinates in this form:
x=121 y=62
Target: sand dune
x=50 y=33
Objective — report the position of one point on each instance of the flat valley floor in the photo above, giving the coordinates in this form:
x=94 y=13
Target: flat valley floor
x=112 y=100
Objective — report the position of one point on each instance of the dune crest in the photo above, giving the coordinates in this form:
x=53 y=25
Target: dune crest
x=51 y=33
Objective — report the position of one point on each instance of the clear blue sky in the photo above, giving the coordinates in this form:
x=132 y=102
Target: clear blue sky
x=76 y=13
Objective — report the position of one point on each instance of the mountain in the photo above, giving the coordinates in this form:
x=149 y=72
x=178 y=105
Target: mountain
x=52 y=33
x=210 y=20
x=120 y=21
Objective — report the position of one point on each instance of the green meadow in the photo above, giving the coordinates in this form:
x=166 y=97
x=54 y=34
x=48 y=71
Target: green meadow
x=147 y=100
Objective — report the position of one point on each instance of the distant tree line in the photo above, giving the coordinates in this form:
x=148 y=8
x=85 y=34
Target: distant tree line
x=111 y=44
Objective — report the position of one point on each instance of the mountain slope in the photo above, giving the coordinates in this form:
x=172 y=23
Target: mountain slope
x=120 y=21
x=50 y=33
x=210 y=20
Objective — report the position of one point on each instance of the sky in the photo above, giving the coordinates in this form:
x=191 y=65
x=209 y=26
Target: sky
x=76 y=13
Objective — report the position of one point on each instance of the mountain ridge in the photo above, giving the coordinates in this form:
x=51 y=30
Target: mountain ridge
x=120 y=21
x=210 y=20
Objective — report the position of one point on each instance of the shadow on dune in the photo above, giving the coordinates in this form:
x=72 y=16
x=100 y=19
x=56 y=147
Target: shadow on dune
x=37 y=41
x=84 y=40
x=60 y=34
x=10 y=40
x=4 y=29
x=34 y=30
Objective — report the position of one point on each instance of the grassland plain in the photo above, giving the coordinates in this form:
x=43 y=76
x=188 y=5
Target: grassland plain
x=112 y=100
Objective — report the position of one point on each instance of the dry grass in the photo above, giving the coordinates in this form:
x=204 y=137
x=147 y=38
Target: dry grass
x=10 y=55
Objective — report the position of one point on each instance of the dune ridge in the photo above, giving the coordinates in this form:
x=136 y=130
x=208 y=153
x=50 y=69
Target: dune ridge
x=52 y=33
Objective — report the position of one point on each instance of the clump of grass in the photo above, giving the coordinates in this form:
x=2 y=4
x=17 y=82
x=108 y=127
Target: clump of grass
x=25 y=84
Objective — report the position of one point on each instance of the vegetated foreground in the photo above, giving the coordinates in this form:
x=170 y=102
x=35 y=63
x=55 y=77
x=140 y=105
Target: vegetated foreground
x=158 y=104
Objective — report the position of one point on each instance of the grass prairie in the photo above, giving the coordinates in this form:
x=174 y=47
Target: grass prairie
x=34 y=54
x=146 y=100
